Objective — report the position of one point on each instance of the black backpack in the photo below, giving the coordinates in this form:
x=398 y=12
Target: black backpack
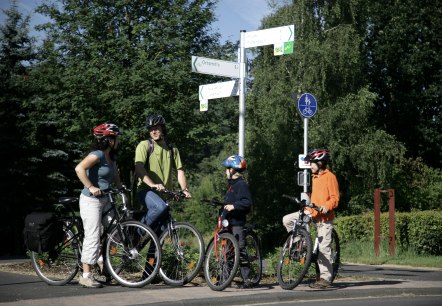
x=42 y=231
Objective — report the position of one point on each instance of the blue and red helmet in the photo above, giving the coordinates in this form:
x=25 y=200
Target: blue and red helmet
x=235 y=162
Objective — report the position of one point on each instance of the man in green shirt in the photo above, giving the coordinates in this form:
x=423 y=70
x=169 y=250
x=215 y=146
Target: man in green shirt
x=153 y=166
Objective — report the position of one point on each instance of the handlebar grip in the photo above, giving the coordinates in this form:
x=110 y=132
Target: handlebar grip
x=291 y=198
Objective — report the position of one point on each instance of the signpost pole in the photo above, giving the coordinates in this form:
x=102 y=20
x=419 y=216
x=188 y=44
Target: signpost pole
x=305 y=186
x=242 y=94
x=307 y=106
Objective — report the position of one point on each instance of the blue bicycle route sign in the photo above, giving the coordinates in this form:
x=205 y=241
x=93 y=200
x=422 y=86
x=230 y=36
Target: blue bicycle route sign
x=307 y=105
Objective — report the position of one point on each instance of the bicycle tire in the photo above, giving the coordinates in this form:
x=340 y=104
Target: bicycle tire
x=182 y=254
x=221 y=263
x=59 y=266
x=295 y=259
x=335 y=257
x=133 y=254
x=254 y=257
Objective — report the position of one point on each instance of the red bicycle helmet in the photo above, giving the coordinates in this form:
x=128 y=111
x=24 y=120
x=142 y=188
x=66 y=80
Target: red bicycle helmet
x=317 y=155
x=106 y=129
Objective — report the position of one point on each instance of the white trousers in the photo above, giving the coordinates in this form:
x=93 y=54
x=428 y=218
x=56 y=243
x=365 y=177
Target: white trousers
x=91 y=212
x=324 y=230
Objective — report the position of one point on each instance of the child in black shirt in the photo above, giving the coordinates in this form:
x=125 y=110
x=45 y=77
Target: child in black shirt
x=238 y=202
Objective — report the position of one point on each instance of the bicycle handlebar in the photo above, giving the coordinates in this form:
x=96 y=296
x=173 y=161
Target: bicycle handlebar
x=213 y=202
x=303 y=203
x=176 y=195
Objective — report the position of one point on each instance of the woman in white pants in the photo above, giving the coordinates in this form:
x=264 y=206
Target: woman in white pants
x=96 y=171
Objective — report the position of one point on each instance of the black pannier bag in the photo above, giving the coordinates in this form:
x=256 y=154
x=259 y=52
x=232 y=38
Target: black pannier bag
x=42 y=231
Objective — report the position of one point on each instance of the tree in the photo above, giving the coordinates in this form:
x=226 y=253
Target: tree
x=17 y=188
x=120 y=61
x=404 y=65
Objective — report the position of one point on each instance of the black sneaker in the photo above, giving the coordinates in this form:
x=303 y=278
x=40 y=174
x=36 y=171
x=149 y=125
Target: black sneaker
x=245 y=285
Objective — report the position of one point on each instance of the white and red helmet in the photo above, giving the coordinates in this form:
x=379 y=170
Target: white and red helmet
x=106 y=129
x=316 y=155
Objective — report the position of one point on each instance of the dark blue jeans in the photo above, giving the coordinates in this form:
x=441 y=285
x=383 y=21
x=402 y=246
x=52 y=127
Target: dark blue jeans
x=156 y=209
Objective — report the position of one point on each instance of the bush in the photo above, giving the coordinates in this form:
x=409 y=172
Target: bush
x=416 y=230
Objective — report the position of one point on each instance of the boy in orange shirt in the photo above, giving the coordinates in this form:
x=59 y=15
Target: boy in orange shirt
x=325 y=195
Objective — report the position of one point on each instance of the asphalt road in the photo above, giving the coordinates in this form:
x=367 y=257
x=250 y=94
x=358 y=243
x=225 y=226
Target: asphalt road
x=356 y=285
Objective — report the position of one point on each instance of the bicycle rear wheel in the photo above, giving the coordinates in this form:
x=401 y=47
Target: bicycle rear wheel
x=335 y=257
x=254 y=258
x=295 y=258
x=60 y=265
x=222 y=261
x=133 y=254
x=182 y=254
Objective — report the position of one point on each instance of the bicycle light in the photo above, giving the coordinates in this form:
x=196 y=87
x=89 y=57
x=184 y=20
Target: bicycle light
x=225 y=223
x=306 y=219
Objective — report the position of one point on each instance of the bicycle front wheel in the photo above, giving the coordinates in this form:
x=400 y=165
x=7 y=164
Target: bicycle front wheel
x=60 y=265
x=254 y=258
x=222 y=261
x=182 y=254
x=295 y=258
x=133 y=254
x=335 y=257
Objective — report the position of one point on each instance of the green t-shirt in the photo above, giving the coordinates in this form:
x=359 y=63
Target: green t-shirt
x=159 y=168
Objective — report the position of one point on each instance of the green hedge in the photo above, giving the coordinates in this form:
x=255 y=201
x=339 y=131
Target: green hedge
x=420 y=231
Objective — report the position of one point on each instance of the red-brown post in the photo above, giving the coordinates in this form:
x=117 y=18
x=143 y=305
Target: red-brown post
x=377 y=220
x=392 y=221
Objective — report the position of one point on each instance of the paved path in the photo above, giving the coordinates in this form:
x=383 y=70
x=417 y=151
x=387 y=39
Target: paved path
x=357 y=281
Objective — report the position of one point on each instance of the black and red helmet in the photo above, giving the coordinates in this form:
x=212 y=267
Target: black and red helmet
x=106 y=129
x=316 y=155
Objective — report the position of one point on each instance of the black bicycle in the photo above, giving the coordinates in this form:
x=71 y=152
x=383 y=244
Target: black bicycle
x=223 y=255
x=182 y=247
x=130 y=249
x=298 y=253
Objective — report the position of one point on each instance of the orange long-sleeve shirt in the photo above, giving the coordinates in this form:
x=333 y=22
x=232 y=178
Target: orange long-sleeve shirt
x=325 y=192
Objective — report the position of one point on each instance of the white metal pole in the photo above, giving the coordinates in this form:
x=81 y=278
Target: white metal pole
x=242 y=93
x=305 y=151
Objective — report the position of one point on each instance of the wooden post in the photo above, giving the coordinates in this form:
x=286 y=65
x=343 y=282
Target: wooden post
x=377 y=220
x=391 y=221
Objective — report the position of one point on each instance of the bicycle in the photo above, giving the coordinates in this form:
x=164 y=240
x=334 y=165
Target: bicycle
x=223 y=255
x=298 y=253
x=182 y=247
x=125 y=244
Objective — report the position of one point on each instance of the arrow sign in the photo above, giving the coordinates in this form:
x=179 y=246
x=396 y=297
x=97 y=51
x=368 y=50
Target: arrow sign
x=215 y=67
x=269 y=36
x=219 y=90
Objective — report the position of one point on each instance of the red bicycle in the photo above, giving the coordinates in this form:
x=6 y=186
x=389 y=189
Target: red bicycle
x=223 y=255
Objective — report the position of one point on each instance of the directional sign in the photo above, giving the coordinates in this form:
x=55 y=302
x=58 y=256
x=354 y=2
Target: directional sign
x=215 y=67
x=219 y=90
x=307 y=105
x=269 y=36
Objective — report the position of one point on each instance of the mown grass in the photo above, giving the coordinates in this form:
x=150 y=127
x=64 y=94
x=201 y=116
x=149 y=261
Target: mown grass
x=363 y=252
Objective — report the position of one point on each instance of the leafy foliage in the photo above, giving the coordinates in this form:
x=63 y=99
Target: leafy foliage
x=374 y=68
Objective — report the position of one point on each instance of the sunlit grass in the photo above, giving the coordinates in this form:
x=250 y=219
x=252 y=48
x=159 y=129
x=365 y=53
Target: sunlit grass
x=363 y=252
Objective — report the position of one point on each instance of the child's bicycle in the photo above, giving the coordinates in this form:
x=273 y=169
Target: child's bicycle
x=182 y=247
x=298 y=253
x=223 y=256
x=126 y=247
